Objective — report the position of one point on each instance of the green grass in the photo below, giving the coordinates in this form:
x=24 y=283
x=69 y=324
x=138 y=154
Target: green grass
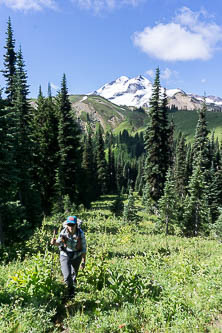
x=135 y=280
x=186 y=121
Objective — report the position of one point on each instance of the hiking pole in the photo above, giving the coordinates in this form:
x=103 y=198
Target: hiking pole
x=52 y=243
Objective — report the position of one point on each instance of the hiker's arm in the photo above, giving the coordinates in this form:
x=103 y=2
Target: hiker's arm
x=83 y=252
x=61 y=240
x=54 y=242
x=83 y=257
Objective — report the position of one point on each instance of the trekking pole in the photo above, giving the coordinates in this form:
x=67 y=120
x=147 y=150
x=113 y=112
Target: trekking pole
x=52 y=243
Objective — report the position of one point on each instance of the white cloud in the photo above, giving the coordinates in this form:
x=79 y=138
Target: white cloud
x=53 y=86
x=26 y=5
x=151 y=73
x=98 y=5
x=189 y=36
x=203 y=80
x=165 y=74
x=168 y=73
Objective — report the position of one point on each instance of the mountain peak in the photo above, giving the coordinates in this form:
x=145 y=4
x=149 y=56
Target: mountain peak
x=122 y=78
x=137 y=92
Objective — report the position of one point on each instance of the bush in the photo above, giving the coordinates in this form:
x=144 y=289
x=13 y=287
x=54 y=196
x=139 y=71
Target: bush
x=36 y=278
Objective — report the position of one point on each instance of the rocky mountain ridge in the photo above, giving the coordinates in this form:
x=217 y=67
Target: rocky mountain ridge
x=136 y=92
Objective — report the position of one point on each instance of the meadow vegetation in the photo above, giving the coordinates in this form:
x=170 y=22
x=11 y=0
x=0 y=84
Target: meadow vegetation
x=136 y=279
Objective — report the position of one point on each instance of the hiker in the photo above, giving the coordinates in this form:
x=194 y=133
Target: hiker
x=72 y=246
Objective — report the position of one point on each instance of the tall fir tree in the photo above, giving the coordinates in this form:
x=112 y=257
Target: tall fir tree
x=201 y=146
x=44 y=134
x=156 y=150
x=101 y=163
x=169 y=204
x=167 y=133
x=89 y=175
x=196 y=216
x=27 y=193
x=180 y=166
x=8 y=171
x=69 y=154
x=9 y=63
x=111 y=170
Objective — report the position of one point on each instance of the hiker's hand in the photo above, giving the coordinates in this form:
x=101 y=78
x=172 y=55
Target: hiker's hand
x=83 y=264
x=53 y=241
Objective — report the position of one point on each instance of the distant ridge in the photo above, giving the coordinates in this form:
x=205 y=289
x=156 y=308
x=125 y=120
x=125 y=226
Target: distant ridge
x=137 y=91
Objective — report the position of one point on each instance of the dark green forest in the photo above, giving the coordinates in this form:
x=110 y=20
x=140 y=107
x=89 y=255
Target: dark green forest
x=48 y=163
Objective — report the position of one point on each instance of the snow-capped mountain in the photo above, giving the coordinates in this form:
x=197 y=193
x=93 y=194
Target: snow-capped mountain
x=136 y=92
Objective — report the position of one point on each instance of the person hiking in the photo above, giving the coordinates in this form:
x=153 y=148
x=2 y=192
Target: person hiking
x=72 y=246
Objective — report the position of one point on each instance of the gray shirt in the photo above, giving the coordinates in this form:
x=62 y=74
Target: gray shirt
x=71 y=242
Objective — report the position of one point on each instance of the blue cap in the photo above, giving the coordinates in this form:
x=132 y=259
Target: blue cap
x=71 y=220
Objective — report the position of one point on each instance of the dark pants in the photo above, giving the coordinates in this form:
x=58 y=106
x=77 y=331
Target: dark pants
x=70 y=269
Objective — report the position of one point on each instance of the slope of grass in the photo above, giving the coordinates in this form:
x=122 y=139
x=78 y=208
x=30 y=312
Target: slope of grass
x=134 y=280
x=134 y=121
x=186 y=121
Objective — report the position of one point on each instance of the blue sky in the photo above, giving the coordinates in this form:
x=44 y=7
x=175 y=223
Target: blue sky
x=96 y=41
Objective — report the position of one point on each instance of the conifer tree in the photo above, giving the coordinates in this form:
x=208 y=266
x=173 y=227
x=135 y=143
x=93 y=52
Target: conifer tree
x=201 y=146
x=89 y=170
x=196 y=207
x=119 y=173
x=27 y=192
x=117 y=206
x=101 y=163
x=22 y=111
x=166 y=136
x=9 y=63
x=8 y=172
x=44 y=133
x=139 y=184
x=180 y=167
x=154 y=171
x=169 y=204
x=69 y=155
x=111 y=171
x=129 y=211
x=214 y=191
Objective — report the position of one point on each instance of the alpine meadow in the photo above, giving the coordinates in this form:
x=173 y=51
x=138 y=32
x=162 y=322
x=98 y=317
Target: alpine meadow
x=146 y=184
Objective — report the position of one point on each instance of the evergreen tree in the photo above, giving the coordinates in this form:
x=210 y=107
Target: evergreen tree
x=69 y=154
x=129 y=212
x=214 y=191
x=196 y=207
x=166 y=136
x=139 y=184
x=119 y=173
x=154 y=171
x=180 y=167
x=22 y=113
x=201 y=146
x=9 y=63
x=8 y=172
x=111 y=171
x=101 y=163
x=44 y=133
x=89 y=175
x=27 y=192
x=169 y=204
x=117 y=206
